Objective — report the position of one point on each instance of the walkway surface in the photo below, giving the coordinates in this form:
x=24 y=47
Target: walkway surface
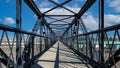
x=60 y=56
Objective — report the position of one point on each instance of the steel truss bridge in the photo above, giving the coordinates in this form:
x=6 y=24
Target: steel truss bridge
x=26 y=47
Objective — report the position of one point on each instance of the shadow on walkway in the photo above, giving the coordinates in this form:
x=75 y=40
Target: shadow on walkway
x=36 y=66
x=57 y=58
x=64 y=58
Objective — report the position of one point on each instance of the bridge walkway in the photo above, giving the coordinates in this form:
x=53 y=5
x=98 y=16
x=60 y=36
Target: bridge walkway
x=60 y=56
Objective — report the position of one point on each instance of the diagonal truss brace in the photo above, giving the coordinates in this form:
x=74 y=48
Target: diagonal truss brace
x=56 y=6
x=62 y=6
x=5 y=58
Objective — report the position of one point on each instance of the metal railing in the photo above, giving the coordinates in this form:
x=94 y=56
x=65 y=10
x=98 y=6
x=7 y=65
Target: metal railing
x=92 y=53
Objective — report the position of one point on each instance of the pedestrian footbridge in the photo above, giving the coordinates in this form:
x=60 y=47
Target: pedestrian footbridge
x=59 y=34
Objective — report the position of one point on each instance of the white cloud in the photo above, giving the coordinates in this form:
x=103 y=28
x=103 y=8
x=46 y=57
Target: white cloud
x=111 y=19
x=115 y=4
x=44 y=4
x=9 y=20
x=77 y=3
x=92 y=23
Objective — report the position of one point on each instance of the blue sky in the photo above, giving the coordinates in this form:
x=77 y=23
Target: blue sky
x=8 y=12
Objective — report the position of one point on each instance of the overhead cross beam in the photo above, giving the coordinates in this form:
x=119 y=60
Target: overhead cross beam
x=57 y=6
x=62 y=6
x=58 y=24
x=56 y=20
x=59 y=28
x=59 y=15
x=62 y=18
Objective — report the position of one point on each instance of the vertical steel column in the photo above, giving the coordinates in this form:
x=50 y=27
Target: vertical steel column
x=48 y=33
x=44 y=34
x=77 y=31
x=41 y=37
x=18 y=35
x=101 y=26
x=32 y=38
x=66 y=37
x=47 y=39
x=71 y=37
x=32 y=45
x=74 y=36
x=87 y=44
x=90 y=48
x=50 y=38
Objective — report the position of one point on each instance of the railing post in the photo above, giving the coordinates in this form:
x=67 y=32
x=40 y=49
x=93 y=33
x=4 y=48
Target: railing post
x=41 y=35
x=71 y=37
x=32 y=45
x=47 y=39
x=40 y=39
x=50 y=38
x=77 y=31
x=66 y=38
x=18 y=35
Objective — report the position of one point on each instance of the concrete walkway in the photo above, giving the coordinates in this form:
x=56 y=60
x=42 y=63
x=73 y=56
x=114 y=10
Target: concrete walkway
x=60 y=56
